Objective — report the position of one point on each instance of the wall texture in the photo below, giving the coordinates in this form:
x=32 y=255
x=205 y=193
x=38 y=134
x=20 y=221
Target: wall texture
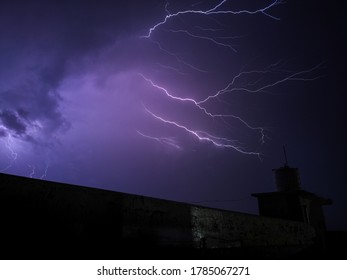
x=224 y=229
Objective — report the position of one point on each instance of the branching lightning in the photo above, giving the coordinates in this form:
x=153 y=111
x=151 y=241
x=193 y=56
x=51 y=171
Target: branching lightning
x=32 y=173
x=257 y=82
x=213 y=11
x=162 y=140
x=216 y=141
x=213 y=40
x=209 y=12
x=297 y=76
x=177 y=58
x=12 y=154
x=33 y=169
x=13 y=147
x=44 y=174
x=232 y=88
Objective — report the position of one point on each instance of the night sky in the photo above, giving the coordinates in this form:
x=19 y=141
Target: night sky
x=144 y=97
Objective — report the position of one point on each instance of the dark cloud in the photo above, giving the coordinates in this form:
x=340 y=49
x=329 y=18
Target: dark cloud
x=75 y=64
x=12 y=122
x=32 y=108
x=23 y=113
x=40 y=42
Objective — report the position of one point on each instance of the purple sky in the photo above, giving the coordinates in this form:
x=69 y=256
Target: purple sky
x=91 y=95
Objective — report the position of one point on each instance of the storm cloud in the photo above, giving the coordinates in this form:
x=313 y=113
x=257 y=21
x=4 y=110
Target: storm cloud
x=74 y=104
x=12 y=121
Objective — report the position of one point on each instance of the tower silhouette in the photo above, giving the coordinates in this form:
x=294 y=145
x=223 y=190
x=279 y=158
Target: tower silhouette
x=291 y=202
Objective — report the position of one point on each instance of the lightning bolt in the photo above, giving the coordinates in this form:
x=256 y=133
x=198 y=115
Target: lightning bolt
x=13 y=155
x=216 y=141
x=33 y=168
x=231 y=87
x=210 y=29
x=209 y=12
x=178 y=71
x=177 y=58
x=297 y=76
x=44 y=174
x=257 y=79
x=213 y=40
x=32 y=173
x=215 y=10
x=163 y=140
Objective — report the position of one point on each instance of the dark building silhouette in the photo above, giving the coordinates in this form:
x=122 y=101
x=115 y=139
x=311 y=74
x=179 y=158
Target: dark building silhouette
x=47 y=220
x=290 y=202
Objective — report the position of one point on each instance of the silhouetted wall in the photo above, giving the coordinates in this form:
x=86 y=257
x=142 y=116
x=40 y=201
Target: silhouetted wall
x=231 y=229
x=41 y=219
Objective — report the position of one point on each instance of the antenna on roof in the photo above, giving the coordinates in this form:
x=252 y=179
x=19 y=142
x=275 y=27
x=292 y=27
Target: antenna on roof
x=285 y=156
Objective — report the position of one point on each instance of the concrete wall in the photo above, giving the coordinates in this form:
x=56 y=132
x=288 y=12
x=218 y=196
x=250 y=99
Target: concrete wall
x=231 y=229
x=156 y=222
x=52 y=219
